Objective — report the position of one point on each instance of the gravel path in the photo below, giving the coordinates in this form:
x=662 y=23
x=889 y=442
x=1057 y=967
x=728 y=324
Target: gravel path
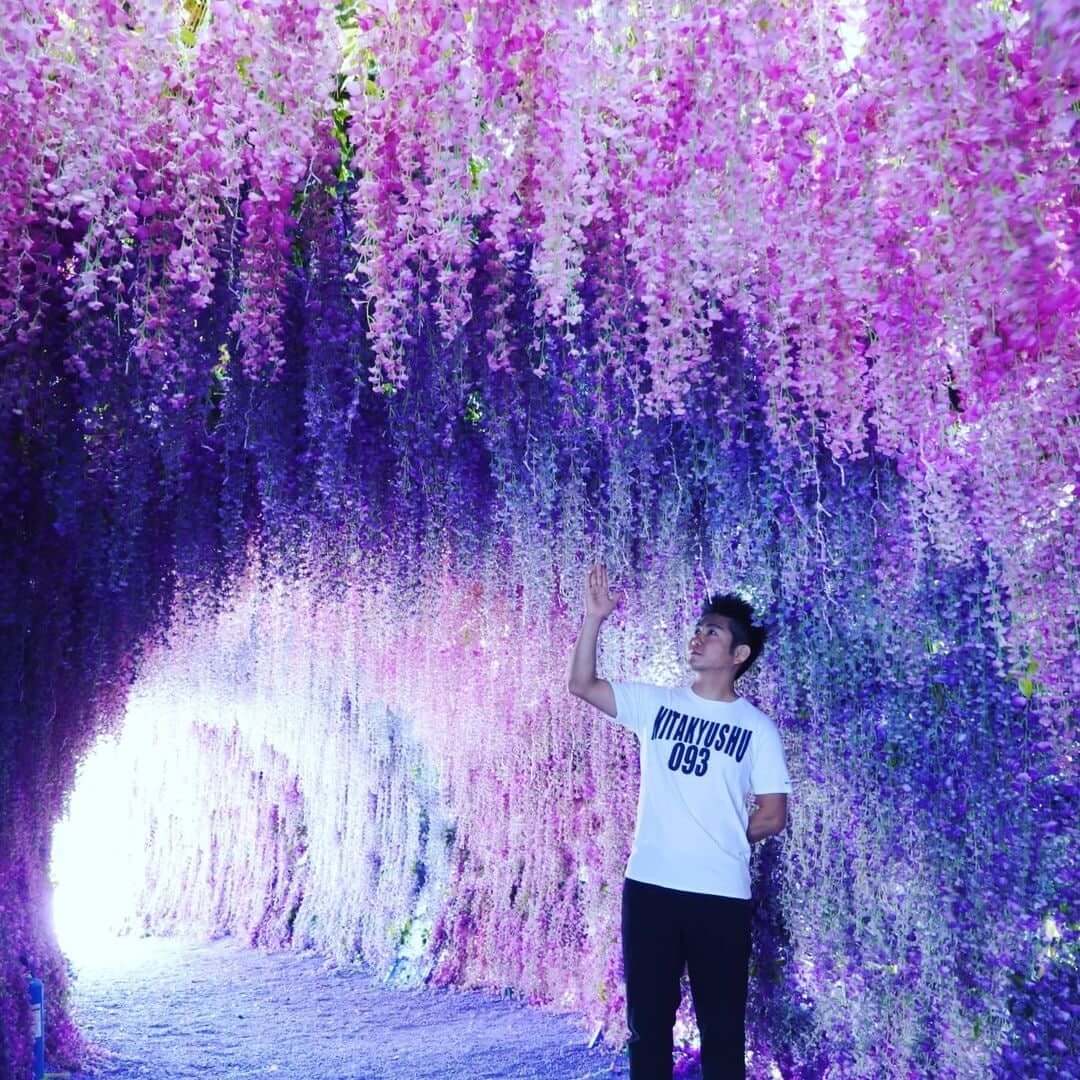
x=170 y=1010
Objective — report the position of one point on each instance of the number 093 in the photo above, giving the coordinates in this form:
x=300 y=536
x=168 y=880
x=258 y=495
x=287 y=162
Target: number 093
x=690 y=759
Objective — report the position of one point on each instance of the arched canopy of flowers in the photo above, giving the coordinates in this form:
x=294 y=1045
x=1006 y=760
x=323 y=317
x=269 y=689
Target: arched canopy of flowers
x=423 y=281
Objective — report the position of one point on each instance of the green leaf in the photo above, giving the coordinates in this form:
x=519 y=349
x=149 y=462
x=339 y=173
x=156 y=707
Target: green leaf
x=474 y=411
x=477 y=167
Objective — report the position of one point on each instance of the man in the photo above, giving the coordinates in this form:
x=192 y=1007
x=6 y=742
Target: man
x=686 y=897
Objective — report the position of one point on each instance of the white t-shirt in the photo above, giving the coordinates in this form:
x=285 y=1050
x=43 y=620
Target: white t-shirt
x=699 y=759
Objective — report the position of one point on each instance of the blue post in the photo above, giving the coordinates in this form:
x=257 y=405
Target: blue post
x=37 y=1008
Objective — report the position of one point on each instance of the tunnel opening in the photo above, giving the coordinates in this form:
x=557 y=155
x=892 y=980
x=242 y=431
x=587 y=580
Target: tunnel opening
x=98 y=861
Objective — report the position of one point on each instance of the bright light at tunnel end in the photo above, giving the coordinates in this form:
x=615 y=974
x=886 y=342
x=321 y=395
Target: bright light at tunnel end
x=98 y=855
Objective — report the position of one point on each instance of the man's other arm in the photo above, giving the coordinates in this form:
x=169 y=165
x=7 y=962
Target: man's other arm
x=768 y=819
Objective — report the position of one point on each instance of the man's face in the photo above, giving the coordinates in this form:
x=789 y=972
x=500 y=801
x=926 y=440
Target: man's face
x=710 y=646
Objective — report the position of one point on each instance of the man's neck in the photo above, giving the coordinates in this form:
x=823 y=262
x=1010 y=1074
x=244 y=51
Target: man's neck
x=716 y=688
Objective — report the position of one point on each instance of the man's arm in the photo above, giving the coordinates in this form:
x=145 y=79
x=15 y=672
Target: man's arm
x=768 y=819
x=582 y=680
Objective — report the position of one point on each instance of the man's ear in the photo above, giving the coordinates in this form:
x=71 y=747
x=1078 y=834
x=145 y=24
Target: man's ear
x=742 y=654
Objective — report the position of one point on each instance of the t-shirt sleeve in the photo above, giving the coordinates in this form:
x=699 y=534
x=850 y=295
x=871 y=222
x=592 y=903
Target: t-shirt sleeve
x=768 y=769
x=631 y=704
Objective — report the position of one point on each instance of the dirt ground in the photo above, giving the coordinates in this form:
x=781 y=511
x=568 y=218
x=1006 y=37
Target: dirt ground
x=171 y=1010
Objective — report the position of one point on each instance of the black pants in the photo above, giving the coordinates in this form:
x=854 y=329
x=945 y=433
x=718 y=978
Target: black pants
x=663 y=932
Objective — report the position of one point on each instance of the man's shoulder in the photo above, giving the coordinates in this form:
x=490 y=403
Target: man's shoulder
x=641 y=687
x=752 y=713
x=645 y=691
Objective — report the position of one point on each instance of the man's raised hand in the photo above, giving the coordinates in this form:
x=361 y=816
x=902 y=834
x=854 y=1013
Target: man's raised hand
x=583 y=682
x=600 y=601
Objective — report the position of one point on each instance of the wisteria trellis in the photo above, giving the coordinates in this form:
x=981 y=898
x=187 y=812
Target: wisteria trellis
x=420 y=304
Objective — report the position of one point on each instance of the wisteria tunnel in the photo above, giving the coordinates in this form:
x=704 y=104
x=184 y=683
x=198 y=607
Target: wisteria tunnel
x=340 y=339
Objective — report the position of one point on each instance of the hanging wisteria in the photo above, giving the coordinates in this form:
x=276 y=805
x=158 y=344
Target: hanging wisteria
x=339 y=338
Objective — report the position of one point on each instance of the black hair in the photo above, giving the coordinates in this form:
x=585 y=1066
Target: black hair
x=740 y=616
